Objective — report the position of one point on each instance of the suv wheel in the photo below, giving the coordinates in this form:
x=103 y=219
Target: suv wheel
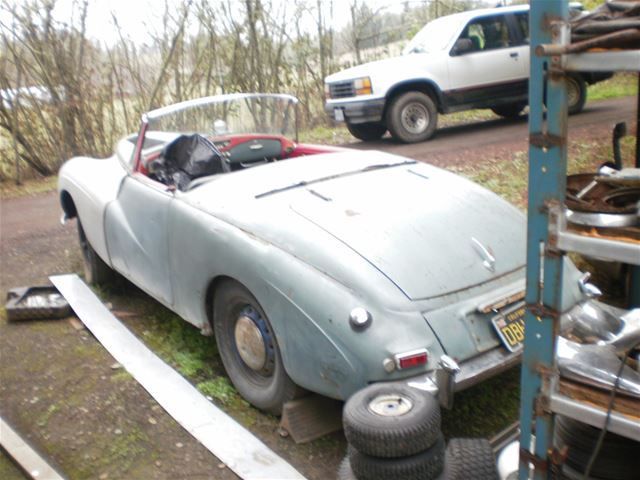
x=412 y=117
x=367 y=131
x=576 y=93
x=512 y=110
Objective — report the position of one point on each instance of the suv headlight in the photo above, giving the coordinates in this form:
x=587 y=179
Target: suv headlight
x=362 y=86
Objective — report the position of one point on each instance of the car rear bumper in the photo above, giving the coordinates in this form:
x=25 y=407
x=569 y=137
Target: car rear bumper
x=449 y=378
x=356 y=111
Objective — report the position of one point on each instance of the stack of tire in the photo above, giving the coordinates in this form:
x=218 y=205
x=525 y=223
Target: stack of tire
x=393 y=432
x=617 y=459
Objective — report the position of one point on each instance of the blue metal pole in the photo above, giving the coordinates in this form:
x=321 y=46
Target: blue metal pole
x=547 y=181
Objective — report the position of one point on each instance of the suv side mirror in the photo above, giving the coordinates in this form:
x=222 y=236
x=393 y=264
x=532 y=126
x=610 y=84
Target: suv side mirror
x=462 y=45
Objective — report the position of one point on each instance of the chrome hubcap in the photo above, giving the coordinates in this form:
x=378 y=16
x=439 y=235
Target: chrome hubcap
x=414 y=118
x=390 y=405
x=250 y=343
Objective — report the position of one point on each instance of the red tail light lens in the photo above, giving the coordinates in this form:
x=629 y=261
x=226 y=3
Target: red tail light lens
x=411 y=359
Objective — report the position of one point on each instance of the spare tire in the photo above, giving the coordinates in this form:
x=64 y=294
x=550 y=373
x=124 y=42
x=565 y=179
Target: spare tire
x=427 y=465
x=344 y=470
x=391 y=420
x=470 y=458
x=618 y=459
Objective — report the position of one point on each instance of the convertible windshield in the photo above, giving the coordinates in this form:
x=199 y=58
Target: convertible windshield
x=225 y=115
x=434 y=36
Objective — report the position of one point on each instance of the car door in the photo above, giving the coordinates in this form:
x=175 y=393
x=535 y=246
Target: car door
x=493 y=67
x=137 y=235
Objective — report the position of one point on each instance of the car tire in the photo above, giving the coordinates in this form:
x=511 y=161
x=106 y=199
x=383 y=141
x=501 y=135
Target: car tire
x=254 y=367
x=470 y=458
x=96 y=272
x=367 y=131
x=512 y=110
x=344 y=470
x=576 y=93
x=399 y=433
x=412 y=117
x=618 y=456
x=426 y=465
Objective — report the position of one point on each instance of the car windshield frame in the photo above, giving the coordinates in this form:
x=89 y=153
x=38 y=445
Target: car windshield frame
x=169 y=122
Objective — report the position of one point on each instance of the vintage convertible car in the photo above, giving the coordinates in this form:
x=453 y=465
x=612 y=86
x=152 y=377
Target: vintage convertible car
x=315 y=267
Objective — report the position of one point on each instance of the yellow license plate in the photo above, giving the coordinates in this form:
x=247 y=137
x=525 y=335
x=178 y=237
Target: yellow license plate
x=510 y=327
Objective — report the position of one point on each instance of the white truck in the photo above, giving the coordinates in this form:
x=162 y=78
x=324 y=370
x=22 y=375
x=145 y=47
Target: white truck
x=473 y=59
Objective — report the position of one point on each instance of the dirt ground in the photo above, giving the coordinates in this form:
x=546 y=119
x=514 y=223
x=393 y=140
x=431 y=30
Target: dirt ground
x=61 y=390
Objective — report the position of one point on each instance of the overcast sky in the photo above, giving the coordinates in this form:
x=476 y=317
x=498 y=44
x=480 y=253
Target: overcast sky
x=138 y=17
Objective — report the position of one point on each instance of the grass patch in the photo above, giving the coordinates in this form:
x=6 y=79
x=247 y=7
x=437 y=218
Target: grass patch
x=9 y=189
x=620 y=85
x=222 y=390
x=508 y=177
x=325 y=135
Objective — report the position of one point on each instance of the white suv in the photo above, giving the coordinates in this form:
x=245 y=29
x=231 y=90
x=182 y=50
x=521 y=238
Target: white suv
x=473 y=59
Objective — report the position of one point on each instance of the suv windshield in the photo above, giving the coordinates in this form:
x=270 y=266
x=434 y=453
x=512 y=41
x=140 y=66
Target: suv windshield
x=433 y=36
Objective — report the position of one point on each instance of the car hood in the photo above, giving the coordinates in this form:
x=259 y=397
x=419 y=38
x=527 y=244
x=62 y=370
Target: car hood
x=402 y=63
x=430 y=232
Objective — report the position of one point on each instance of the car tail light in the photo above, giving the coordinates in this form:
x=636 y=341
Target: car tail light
x=411 y=359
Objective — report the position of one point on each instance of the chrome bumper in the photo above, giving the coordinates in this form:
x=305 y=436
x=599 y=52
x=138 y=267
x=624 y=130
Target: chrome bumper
x=450 y=377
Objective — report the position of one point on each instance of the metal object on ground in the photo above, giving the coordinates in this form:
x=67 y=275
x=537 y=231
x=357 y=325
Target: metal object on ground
x=236 y=447
x=31 y=303
x=312 y=417
x=26 y=457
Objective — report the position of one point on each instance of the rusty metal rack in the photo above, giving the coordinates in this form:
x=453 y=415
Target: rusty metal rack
x=543 y=392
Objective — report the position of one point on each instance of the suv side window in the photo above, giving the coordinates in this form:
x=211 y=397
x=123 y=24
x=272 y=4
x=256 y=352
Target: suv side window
x=522 y=19
x=488 y=33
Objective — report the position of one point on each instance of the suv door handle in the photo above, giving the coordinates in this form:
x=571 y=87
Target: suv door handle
x=513 y=54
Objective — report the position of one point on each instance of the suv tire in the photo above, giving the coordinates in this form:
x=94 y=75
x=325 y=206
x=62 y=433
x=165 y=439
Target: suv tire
x=512 y=110
x=412 y=117
x=367 y=131
x=576 y=93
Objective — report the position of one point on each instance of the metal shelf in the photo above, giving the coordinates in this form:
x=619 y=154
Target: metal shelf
x=621 y=60
x=602 y=248
x=594 y=416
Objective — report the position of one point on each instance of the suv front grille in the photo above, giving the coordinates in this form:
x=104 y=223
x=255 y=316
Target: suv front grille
x=342 y=90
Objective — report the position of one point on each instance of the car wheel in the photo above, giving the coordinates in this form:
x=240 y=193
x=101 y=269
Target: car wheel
x=470 y=458
x=576 y=93
x=95 y=270
x=618 y=456
x=509 y=111
x=426 y=465
x=367 y=131
x=412 y=117
x=249 y=350
x=391 y=420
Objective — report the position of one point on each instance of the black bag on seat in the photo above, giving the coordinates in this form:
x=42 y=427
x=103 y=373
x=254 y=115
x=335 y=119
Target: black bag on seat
x=186 y=158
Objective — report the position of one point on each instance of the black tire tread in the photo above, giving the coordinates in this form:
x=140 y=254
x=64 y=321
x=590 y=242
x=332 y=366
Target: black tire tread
x=344 y=470
x=426 y=465
x=393 y=123
x=618 y=459
x=512 y=110
x=468 y=458
x=269 y=399
x=96 y=271
x=391 y=437
x=367 y=131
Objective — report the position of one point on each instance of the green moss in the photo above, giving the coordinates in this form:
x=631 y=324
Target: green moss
x=221 y=389
x=44 y=418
